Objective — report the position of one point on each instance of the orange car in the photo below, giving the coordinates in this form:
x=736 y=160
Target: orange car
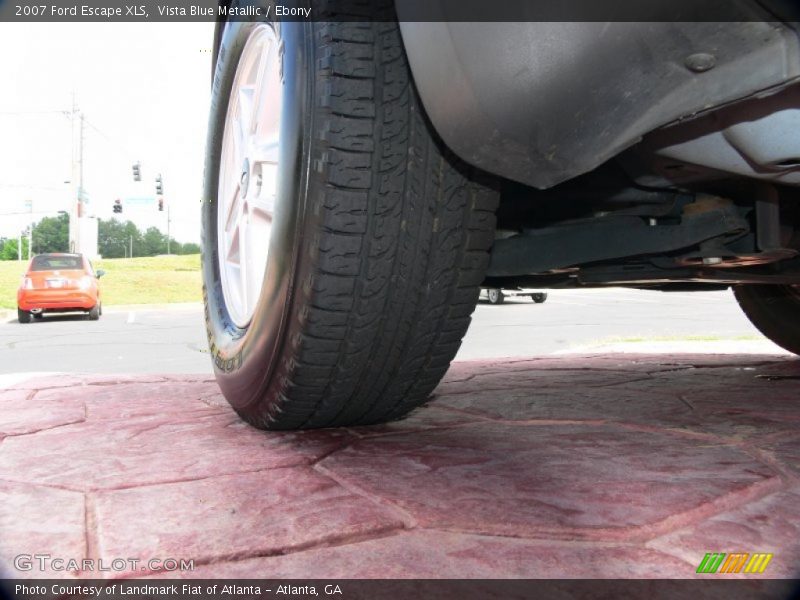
x=57 y=283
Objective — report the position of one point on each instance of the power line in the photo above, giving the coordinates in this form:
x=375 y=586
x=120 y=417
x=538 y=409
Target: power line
x=33 y=212
x=115 y=144
x=32 y=113
x=26 y=186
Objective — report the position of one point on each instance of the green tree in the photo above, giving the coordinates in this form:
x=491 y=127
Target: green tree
x=114 y=238
x=8 y=251
x=132 y=233
x=190 y=248
x=153 y=242
x=111 y=242
x=51 y=234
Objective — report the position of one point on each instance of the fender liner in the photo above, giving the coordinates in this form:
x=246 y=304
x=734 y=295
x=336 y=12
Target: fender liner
x=543 y=102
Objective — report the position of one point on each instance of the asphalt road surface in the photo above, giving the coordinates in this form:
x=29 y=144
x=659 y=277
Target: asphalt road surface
x=173 y=340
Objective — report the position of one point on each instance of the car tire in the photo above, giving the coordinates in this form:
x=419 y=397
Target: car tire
x=24 y=316
x=378 y=238
x=774 y=310
x=539 y=298
x=495 y=296
x=94 y=312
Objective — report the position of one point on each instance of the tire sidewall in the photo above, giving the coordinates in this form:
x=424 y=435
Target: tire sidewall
x=243 y=357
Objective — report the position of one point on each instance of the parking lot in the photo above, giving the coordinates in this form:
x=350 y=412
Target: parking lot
x=171 y=339
x=626 y=443
x=603 y=466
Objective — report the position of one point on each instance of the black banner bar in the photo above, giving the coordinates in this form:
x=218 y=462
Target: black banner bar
x=711 y=588
x=68 y=11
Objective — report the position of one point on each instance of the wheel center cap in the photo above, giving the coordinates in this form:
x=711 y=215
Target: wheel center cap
x=245 y=178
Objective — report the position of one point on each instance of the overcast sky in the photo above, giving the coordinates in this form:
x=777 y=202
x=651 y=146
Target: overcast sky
x=144 y=89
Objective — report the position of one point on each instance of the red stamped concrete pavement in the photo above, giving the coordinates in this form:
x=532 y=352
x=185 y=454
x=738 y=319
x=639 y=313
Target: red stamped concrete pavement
x=599 y=466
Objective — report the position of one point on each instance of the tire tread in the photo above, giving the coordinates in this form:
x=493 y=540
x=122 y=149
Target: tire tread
x=399 y=249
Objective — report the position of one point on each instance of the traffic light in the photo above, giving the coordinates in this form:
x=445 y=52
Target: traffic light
x=137 y=172
x=161 y=204
x=117 y=205
x=159 y=186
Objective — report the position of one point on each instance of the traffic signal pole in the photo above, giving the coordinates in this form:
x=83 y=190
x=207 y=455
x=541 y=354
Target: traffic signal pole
x=159 y=189
x=168 y=222
x=160 y=196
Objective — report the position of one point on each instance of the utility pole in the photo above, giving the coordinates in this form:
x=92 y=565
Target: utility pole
x=131 y=252
x=82 y=228
x=77 y=157
x=30 y=228
x=80 y=168
x=76 y=179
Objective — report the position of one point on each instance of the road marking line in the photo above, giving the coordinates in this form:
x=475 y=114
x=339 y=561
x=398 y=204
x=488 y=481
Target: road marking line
x=10 y=379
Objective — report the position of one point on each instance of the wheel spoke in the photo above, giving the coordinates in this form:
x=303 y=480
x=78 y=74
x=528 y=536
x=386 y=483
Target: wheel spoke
x=263 y=208
x=267 y=108
x=262 y=75
x=232 y=249
x=265 y=150
x=256 y=261
x=244 y=265
x=262 y=202
x=233 y=207
x=228 y=184
x=246 y=114
x=237 y=147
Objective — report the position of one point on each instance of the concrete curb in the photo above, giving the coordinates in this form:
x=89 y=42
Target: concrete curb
x=11 y=315
x=175 y=306
x=740 y=347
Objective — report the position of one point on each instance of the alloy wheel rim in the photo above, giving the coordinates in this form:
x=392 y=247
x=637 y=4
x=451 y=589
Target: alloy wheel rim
x=248 y=179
